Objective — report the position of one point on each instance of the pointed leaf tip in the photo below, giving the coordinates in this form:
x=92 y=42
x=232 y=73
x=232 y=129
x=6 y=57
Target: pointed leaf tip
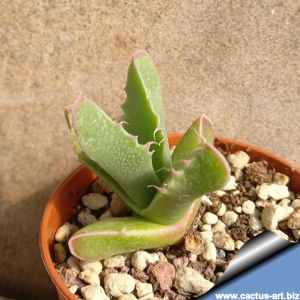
x=138 y=53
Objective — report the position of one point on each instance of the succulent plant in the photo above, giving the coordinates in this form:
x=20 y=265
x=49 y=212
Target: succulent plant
x=133 y=157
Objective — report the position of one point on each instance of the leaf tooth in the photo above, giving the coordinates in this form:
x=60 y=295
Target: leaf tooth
x=120 y=124
x=149 y=144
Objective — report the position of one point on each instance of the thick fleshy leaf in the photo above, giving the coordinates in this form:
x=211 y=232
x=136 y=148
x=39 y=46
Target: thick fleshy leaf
x=201 y=131
x=205 y=171
x=115 y=151
x=143 y=111
x=122 y=235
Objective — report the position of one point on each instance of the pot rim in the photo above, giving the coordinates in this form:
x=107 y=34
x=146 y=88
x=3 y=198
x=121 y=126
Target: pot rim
x=62 y=289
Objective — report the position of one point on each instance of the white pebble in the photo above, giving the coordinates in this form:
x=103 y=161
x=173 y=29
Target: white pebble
x=273 y=190
x=224 y=241
x=141 y=259
x=231 y=184
x=117 y=261
x=272 y=214
x=220 y=193
x=285 y=202
x=238 y=159
x=188 y=280
x=281 y=179
x=73 y=289
x=238 y=209
x=143 y=289
x=219 y=227
x=193 y=256
x=238 y=244
x=119 y=284
x=206 y=235
x=94 y=266
x=94 y=201
x=248 y=207
x=205 y=200
x=85 y=217
x=93 y=292
x=205 y=227
x=295 y=203
x=210 y=251
x=89 y=277
x=63 y=232
x=222 y=210
x=255 y=223
x=229 y=218
x=210 y=218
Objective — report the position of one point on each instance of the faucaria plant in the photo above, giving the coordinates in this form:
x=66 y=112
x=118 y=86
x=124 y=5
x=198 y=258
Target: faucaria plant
x=133 y=157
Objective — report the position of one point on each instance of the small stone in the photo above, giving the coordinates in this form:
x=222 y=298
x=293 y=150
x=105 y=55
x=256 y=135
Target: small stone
x=248 y=207
x=223 y=241
x=295 y=203
x=70 y=277
x=238 y=209
x=193 y=257
x=221 y=254
x=63 y=232
x=294 y=219
x=281 y=179
x=94 y=266
x=72 y=263
x=255 y=223
x=238 y=174
x=73 y=289
x=93 y=292
x=162 y=274
x=222 y=209
x=210 y=218
x=238 y=159
x=143 y=289
x=273 y=190
x=194 y=243
x=229 y=218
x=189 y=281
x=285 y=202
x=206 y=227
x=106 y=215
x=94 y=201
x=117 y=261
x=219 y=227
x=161 y=256
x=89 y=277
x=205 y=200
x=206 y=235
x=85 y=217
x=239 y=244
x=220 y=193
x=272 y=214
x=210 y=251
x=231 y=184
x=261 y=203
x=139 y=275
x=182 y=261
x=141 y=259
x=127 y=297
x=60 y=254
x=118 y=207
x=257 y=172
x=119 y=284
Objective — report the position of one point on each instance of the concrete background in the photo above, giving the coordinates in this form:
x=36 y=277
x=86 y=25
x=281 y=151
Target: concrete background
x=236 y=61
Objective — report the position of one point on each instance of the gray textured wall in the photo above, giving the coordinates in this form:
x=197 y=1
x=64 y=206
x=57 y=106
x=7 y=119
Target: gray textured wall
x=236 y=61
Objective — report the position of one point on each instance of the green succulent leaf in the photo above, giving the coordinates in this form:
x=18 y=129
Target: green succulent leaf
x=143 y=111
x=205 y=171
x=201 y=131
x=122 y=235
x=116 y=153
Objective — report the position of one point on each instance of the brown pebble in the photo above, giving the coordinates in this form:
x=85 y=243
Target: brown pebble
x=139 y=275
x=257 y=172
x=69 y=276
x=162 y=275
x=182 y=261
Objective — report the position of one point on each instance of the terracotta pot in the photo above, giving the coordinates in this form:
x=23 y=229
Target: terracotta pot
x=63 y=201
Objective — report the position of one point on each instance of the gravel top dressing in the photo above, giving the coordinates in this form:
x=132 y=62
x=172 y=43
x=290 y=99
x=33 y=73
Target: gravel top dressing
x=255 y=199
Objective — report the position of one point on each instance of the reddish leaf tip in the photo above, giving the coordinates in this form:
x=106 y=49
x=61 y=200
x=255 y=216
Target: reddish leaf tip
x=138 y=53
